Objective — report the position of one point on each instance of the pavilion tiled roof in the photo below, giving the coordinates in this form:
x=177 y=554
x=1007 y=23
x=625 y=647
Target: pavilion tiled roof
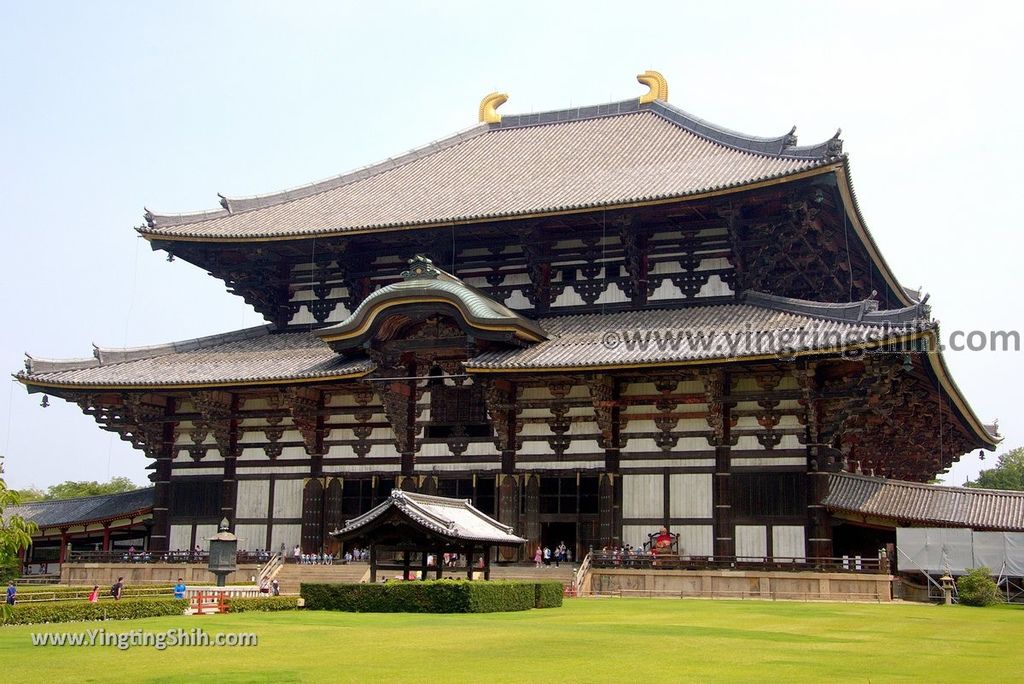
x=84 y=509
x=246 y=356
x=455 y=519
x=567 y=160
x=923 y=504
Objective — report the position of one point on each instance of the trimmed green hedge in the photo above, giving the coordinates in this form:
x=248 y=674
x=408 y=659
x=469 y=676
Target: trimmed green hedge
x=549 y=594
x=263 y=604
x=77 y=611
x=434 y=596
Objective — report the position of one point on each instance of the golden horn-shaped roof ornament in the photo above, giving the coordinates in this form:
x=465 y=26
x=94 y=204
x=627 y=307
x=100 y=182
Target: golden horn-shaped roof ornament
x=489 y=106
x=657 y=84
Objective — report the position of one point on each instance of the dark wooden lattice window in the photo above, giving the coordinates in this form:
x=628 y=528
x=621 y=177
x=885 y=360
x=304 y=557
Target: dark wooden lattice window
x=359 y=496
x=458 y=410
x=760 y=495
x=194 y=498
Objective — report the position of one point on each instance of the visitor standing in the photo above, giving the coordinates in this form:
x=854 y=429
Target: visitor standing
x=275 y=586
x=12 y=593
x=94 y=595
x=179 y=589
x=117 y=589
x=538 y=556
x=547 y=555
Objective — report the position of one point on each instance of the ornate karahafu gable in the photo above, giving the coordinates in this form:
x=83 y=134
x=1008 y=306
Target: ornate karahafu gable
x=429 y=289
x=642 y=319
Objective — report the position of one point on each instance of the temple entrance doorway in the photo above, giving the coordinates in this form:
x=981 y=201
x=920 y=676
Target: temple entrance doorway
x=554 y=533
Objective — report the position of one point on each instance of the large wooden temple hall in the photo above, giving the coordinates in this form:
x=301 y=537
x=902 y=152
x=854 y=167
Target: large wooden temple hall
x=590 y=322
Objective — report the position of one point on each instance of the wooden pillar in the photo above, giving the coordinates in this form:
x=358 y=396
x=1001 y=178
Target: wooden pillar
x=406 y=565
x=607 y=534
x=63 y=545
x=487 y=562
x=532 y=531
x=438 y=564
x=725 y=542
x=819 y=539
x=106 y=536
x=373 y=563
x=469 y=563
x=508 y=510
x=423 y=564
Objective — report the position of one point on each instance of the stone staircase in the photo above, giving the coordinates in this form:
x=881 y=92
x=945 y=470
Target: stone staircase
x=291 y=575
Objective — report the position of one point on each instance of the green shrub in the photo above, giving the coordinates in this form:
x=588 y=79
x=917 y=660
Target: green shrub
x=434 y=596
x=549 y=594
x=977 y=588
x=264 y=604
x=76 y=611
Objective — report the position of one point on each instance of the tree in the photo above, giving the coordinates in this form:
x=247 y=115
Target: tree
x=1008 y=473
x=15 y=534
x=977 y=588
x=72 y=490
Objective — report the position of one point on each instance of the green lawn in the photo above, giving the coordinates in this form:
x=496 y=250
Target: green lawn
x=588 y=640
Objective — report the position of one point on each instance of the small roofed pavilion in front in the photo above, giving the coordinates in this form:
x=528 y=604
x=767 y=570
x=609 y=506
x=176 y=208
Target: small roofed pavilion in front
x=420 y=524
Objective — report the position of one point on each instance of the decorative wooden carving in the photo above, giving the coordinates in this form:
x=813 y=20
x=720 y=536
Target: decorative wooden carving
x=306 y=406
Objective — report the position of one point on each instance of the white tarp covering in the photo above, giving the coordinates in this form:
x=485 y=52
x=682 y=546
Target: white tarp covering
x=934 y=550
x=940 y=550
x=992 y=549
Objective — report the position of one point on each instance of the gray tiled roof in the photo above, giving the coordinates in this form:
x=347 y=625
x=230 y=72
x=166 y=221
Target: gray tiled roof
x=249 y=356
x=711 y=333
x=84 y=509
x=914 y=503
x=456 y=519
x=555 y=161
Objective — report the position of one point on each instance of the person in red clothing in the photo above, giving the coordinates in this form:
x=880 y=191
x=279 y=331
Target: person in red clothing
x=94 y=595
x=663 y=542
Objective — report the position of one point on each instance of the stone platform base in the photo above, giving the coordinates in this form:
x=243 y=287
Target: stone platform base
x=105 y=574
x=739 y=584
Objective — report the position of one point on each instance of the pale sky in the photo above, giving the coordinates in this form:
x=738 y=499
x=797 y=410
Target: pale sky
x=109 y=107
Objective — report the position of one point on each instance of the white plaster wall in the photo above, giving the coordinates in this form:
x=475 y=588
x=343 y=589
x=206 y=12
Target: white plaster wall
x=690 y=495
x=252 y=498
x=289 y=535
x=251 y=537
x=288 y=498
x=181 y=536
x=643 y=496
x=751 y=541
x=696 y=540
x=788 y=541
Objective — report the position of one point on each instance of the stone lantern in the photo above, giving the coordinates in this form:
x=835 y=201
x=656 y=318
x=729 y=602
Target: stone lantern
x=947 y=588
x=223 y=553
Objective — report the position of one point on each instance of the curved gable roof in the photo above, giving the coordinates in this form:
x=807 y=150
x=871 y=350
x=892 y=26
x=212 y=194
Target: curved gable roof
x=426 y=284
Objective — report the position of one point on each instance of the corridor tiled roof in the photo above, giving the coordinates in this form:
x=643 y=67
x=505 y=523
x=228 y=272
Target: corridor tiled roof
x=84 y=509
x=912 y=503
x=566 y=160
